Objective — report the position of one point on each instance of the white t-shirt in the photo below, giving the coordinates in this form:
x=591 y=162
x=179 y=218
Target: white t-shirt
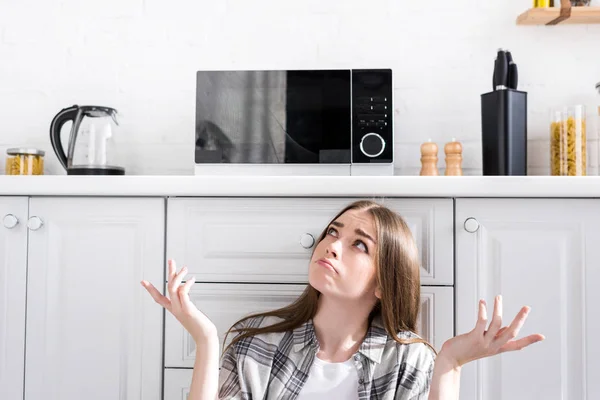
x=327 y=381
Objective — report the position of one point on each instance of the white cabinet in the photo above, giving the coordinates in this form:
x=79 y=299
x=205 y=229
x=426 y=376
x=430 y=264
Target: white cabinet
x=92 y=330
x=75 y=322
x=544 y=253
x=13 y=277
x=271 y=239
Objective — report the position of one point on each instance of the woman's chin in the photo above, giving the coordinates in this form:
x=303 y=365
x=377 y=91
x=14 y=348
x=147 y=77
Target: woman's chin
x=320 y=282
x=316 y=280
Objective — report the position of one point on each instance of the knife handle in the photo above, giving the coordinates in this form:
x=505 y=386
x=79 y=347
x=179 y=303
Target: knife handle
x=501 y=71
x=494 y=75
x=513 y=75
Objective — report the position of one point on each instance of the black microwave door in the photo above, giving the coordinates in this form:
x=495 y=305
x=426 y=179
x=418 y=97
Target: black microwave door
x=269 y=117
x=318 y=117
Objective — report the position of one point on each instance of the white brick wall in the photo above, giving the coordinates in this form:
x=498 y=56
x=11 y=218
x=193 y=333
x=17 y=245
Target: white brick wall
x=140 y=56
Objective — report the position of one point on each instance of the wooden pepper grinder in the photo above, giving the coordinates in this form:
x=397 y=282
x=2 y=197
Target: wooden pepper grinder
x=453 y=152
x=429 y=158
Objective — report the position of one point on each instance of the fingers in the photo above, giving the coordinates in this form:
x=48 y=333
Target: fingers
x=521 y=343
x=496 y=323
x=184 y=291
x=179 y=294
x=482 y=318
x=173 y=286
x=171 y=270
x=516 y=325
x=500 y=332
x=505 y=341
x=179 y=277
x=156 y=295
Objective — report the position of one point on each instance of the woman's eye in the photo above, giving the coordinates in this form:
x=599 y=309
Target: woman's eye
x=364 y=246
x=332 y=231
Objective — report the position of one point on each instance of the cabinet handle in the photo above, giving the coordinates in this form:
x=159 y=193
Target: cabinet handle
x=471 y=225
x=35 y=223
x=307 y=240
x=10 y=221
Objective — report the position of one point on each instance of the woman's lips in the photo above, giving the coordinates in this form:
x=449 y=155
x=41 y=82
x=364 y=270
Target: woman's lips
x=327 y=264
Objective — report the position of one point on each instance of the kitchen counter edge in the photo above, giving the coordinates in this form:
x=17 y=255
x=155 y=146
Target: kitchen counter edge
x=302 y=186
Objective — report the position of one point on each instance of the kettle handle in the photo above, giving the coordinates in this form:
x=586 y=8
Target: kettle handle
x=65 y=115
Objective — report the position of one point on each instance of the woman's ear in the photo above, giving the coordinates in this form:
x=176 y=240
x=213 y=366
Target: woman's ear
x=378 y=293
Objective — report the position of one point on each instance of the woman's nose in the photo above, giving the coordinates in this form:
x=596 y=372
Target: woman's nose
x=335 y=248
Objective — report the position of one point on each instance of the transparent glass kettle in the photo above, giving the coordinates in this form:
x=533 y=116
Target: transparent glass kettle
x=92 y=148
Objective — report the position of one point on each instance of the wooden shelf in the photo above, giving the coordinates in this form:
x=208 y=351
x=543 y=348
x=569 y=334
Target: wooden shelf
x=549 y=16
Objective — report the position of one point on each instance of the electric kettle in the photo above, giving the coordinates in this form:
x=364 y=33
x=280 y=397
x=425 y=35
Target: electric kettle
x=92 y=149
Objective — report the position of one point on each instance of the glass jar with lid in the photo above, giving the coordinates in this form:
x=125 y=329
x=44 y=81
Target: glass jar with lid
x=24 y=161
x=568 y=141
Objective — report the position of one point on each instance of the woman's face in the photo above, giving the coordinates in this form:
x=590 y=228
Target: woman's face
x=343 y=263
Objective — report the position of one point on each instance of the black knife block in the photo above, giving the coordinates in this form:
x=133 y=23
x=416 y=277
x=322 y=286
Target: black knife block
x=504 y=132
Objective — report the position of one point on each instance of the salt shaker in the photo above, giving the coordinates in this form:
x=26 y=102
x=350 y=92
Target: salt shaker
x=429 y=158
x=453 y=152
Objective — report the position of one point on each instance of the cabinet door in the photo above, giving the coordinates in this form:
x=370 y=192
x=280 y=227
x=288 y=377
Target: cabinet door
x=544 y=254
x=224 y=304
x=436 y=319
x=93 y=332
x=177 y=383
x=271 y=239
x=431 y=222
x=13 y=279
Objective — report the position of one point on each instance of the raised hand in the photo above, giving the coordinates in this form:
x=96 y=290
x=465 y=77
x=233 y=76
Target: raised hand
x=481 y=343
x=179 y=304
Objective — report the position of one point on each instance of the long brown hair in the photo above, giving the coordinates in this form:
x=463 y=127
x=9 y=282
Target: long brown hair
x=397 y=274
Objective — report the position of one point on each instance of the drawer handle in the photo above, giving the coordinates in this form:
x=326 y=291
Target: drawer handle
x=10 y=221
x=471 y=225
x=35 y=223
x=307 y=240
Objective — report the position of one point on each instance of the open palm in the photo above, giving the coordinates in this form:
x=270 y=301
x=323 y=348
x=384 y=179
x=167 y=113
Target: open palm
x=179 y=304
x=480 y=343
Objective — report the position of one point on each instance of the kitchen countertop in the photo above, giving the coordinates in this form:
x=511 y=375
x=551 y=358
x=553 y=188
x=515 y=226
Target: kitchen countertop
x=294 y=186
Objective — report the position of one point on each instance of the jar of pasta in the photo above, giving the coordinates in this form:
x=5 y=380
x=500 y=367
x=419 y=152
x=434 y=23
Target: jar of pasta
x=24 y=161
x=568 y=143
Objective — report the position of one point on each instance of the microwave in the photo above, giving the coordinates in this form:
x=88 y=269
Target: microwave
x=294 y=122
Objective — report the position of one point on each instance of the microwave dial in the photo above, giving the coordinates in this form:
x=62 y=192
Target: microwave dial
x=372 y=145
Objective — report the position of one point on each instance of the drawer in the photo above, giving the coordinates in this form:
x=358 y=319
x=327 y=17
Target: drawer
x=224 y=304
x=177 y=383
x=261 y=239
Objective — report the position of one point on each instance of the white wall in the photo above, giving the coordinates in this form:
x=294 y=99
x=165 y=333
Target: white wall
x=140 y=56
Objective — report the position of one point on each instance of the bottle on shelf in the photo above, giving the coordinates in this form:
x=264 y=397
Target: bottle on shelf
x=429 y=159
x=453 y=152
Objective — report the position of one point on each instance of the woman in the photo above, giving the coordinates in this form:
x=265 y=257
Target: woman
x=350 y=335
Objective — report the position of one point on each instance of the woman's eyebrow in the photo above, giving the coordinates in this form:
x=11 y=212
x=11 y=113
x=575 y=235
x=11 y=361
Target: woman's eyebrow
x=365 y=234
x=358 y=231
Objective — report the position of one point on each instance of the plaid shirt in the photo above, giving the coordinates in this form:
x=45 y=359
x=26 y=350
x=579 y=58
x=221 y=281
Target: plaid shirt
x=276 y=365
